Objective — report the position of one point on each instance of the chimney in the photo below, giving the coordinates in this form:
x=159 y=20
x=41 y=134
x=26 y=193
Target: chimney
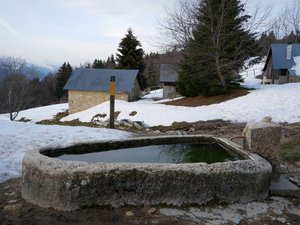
x=289 y=52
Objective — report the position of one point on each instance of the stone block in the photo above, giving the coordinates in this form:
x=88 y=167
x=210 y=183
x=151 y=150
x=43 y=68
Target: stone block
x=263 y=138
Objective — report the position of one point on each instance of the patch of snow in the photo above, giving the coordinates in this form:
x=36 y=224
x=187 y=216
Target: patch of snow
x=156 y=94
x=17 y=138
x=250 y=73
x=296 y=68
x=39 y=113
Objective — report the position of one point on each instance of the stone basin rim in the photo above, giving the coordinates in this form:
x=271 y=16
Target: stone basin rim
x=144 y=141
x=71 y=185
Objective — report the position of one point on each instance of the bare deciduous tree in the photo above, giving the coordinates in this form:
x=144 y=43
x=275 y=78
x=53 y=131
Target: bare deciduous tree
x=260 y=16
x=14 y=86
x=288 y=22
x=181 y=19
x=177 y=27
x=13 y=65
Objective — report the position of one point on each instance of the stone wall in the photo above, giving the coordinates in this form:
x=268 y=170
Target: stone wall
x=67 y=185
x=294 y=79
x=135 y=93
x=169 y=91
x=82 y=100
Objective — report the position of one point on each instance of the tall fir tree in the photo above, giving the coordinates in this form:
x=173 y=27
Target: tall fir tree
x=98 y=64
x=131 y=55
x=62 y=76
x=110 y=62
x=218 y=50
x=151 y=69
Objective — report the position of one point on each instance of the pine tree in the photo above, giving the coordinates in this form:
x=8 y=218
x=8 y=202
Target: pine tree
x=218 y=50
x=130 y=54
x=110 y=62
x=152 y=69
x=98 y=64
x=62 y=77
x=265 y=41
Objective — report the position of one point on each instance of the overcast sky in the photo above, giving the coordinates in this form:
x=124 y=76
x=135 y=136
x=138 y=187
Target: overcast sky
x=56 y=31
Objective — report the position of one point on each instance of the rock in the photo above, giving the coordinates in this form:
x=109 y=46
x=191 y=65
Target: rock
x=284 y=188
x=267 y=119
x=156 y=132
x=12 y=201
x=152 y=210
x=263 y=138
x=12 y=207
x=295 y=180
x=171 y=132
x=129 y=214
x=192 y=129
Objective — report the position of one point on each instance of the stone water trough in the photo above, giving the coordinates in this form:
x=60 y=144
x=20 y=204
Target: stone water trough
x=71 y=185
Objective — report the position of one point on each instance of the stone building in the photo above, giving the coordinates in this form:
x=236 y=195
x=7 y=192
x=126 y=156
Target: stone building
x=168 y=79
x=89 y=87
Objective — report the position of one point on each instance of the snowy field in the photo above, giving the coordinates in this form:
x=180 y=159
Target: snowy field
x=40 y=113
x=281 y=102
x=16 y=138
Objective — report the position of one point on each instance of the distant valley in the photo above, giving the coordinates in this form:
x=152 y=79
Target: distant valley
x=39 y=71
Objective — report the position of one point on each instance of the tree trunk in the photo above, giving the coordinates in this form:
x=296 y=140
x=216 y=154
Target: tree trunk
x=220 y=75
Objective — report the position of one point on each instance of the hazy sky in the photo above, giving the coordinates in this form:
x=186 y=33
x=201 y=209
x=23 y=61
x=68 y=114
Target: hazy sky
x=55 y=31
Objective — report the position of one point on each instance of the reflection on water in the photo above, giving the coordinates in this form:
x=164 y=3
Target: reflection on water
x=175 y=153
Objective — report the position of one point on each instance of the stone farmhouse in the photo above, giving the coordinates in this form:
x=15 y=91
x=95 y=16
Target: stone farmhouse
x=282 y=64
x=89 y=87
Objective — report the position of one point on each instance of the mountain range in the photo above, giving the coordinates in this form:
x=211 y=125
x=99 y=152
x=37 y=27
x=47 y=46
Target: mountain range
x=40 y=71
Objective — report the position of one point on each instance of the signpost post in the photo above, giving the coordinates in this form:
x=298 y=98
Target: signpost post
x=112 y=101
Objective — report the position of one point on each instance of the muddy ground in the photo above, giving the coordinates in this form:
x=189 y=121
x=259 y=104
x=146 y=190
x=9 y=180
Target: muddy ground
x=14 y=210
x=275 y=210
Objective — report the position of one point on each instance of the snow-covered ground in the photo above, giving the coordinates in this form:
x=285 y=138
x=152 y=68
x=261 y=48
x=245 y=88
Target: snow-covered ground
x=281 y=102
x=16 y=138
x=39 y=113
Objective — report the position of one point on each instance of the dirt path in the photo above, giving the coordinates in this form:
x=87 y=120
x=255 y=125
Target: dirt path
x=275 y=210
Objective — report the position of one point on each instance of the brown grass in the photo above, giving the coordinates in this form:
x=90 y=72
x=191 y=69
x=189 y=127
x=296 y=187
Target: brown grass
x=208 y=100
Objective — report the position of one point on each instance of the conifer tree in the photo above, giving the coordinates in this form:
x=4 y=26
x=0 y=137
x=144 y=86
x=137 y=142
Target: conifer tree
x=152 y=69
x=130 y=54
x=98 y=64
x=218 y=49
x=110 y=62
x=62 y=77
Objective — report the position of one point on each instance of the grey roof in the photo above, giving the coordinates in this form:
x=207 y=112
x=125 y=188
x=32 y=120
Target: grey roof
x=278 y=53
x=87 y=79
x=168 y=73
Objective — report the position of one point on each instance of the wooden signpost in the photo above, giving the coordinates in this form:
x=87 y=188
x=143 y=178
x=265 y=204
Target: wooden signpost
x=112 y=101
